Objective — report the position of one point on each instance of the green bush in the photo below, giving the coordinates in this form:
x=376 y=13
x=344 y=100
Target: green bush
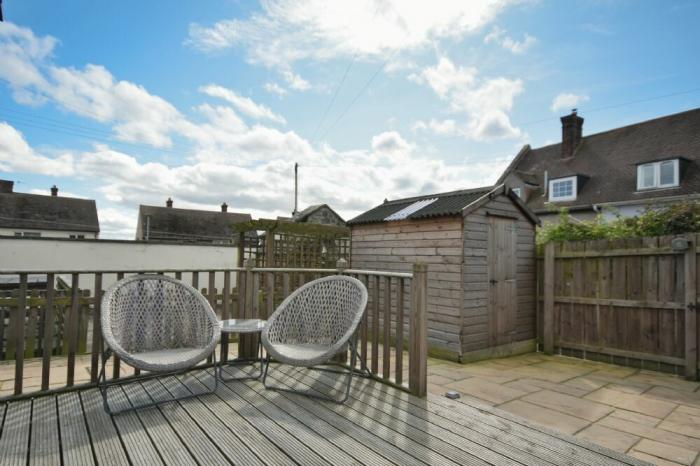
x=675 y=219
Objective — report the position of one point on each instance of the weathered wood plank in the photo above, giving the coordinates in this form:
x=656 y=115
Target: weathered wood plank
x=691 y=303
x=103 y=434
x=44 y=448
x=75 y=441
x=14 y=443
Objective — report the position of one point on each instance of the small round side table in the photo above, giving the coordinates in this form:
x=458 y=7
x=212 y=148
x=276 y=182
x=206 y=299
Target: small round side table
x=241 y=326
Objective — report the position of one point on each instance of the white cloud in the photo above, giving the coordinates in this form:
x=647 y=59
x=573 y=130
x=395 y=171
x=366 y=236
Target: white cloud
x=390 y=143
x=284 y=32
x=441 y=127
x=16 y=155
x=117 y=222
x=295 y=81
x=274 y=88
x=498 y=36
x=567 y=100
x=243 y=104
x=485 y=102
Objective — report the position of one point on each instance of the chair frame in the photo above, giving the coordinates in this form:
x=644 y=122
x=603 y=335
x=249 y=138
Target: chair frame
x=349 y=340
x=103 y=384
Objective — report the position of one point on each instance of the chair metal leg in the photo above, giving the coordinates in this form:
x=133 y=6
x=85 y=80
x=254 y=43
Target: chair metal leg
x=237 y=362
x=103 y=385
x=309 y=393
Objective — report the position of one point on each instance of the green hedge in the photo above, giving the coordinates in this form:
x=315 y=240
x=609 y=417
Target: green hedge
x=683 y=217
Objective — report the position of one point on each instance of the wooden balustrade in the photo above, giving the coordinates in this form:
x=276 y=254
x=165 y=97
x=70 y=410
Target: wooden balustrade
x=61 y=328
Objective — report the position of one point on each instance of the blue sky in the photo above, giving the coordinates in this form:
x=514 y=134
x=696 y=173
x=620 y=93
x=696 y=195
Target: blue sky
x=131 y=102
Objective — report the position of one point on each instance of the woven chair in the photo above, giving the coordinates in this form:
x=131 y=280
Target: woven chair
x=315 y=323
x=157 y=324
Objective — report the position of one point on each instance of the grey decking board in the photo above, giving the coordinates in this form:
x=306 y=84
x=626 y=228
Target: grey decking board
x=339 y=438
x=198 y=443
x=45 y=448
x=245 y=429
x=138 y=443
x=75 y=441
x=488 y=437
x=297 y=427
x=457 y=447
x=14 y=443
x=168 y=444
x=299 y=452
x=399 y=448
x=233 y=447
x=106 y=442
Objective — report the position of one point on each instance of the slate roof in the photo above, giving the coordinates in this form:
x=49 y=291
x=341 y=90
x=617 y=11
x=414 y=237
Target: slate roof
x=609 y=160
x=173 y=224
x=301 y=216
x=38 y=212
x=450 y=203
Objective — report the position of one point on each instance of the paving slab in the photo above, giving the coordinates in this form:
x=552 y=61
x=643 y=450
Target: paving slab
x=653 y=433
x=611 y=438
x=484 y=390
x=651 y=459
x=674 y=395
x=667 y=452
x=545 y=417
x=637 y=403
x=579 y=407
x=685 y=420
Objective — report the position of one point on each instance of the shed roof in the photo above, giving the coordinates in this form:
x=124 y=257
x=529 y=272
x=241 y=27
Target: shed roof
x=39 y=212
x=449 y=203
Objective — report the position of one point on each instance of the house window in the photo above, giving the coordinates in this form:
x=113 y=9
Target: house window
x=76 y=236
x=562 y=189
x=518 y=192
x=28 y=234
x=662 y=174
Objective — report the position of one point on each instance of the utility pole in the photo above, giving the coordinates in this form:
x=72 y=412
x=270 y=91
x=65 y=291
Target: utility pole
x=296 y=188
x=1 y=18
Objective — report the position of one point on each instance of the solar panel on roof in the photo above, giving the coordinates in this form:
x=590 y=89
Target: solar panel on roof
x=406 y=211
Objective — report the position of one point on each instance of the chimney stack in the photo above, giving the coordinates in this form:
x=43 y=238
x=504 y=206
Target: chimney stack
x=169 y=203
x=571 y=131
x=6 y=186
x=224 y=207
x=54 y=191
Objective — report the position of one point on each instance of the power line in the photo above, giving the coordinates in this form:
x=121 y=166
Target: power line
x=332 y=101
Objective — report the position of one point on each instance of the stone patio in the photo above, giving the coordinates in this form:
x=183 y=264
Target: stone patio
x=649 y=415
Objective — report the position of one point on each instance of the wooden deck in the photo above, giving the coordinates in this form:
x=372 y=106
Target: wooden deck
x=244 y=424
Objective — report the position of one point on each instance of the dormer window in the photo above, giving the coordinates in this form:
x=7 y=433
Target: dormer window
x=518 y=192
x=663 y=174
x=563 y=189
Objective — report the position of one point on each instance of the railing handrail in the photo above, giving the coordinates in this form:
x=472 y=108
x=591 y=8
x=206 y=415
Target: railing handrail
x=379 y=273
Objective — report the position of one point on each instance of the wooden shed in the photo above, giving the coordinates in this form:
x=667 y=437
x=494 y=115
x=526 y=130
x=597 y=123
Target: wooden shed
x=479 y=245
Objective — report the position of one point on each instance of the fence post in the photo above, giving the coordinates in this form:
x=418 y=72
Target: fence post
x=691 y=343
x=548 y=307
x=248 y=346
x=342 y=356
x=418 y=332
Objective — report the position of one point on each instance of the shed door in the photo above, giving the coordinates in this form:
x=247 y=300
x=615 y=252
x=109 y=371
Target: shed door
x=502 y=263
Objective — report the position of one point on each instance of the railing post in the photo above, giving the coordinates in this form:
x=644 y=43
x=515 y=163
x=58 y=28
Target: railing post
x=691 y=342
x=418 y=332
x=548 y=306
x=248 y=342
x=342 y=356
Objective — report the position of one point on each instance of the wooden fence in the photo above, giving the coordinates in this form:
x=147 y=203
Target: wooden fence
x=396 y=318
x=630 y=302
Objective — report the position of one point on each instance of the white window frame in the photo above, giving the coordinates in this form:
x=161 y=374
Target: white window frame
x=574 y=189
x=657 y=175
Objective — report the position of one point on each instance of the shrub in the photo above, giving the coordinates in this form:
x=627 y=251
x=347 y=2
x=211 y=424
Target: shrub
x=675 y=219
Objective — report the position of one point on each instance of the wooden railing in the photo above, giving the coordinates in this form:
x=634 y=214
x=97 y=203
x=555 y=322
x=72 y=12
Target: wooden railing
x=394 y=325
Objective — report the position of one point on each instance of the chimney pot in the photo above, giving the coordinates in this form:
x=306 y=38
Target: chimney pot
x=169 y=203
x=6 y=186
x=571 y=132
x=54 y=190
x=224 y=207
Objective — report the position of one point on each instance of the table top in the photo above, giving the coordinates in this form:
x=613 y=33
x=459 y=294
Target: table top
x=242 y=325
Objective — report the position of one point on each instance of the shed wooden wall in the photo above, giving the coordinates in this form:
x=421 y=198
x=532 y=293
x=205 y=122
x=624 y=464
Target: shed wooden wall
x=397 y=245
x=475 y=332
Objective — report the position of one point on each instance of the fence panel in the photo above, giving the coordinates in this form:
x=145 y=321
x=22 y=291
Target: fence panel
x=630 y=302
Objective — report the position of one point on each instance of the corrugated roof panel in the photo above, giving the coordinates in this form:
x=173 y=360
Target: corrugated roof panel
x=406 y=211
